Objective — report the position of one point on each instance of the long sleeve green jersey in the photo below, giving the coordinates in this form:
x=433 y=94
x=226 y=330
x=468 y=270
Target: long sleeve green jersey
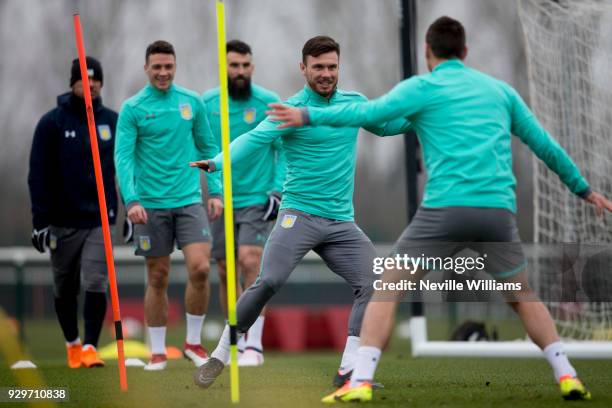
x=251 y=182
x=320 y=160
x=158 y=134
x=464 y=120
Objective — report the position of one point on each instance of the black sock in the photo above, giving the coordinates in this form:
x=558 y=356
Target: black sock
x=94 y=311
x=66 y=310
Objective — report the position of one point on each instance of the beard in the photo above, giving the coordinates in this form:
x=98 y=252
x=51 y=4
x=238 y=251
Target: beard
x=239 y=91
x=314 y=85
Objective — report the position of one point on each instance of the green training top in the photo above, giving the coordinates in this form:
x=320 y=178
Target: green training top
x=158 y=134
x=320 y=160
x=464 y=120
x=251 y=182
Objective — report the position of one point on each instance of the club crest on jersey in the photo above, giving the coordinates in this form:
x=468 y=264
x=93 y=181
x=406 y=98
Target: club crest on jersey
x=288 y=221
x=186 y=112
x=104 y=132
x=144 y=242
x=249 y=116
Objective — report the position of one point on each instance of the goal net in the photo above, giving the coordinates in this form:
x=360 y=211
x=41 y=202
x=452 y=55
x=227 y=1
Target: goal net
x=569 y=54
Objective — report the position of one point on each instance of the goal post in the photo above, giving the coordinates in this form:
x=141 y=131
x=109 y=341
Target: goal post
x=422 y=347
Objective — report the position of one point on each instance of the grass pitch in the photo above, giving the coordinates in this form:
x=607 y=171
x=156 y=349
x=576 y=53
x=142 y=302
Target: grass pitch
x=300 y=380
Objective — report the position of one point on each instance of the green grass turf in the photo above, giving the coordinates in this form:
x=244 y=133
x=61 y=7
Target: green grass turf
x=300 y=380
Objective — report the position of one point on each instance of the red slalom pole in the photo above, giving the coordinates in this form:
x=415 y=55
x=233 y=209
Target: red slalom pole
x=108 y=247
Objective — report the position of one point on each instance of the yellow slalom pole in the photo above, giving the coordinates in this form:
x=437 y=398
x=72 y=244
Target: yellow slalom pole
x=227 y=202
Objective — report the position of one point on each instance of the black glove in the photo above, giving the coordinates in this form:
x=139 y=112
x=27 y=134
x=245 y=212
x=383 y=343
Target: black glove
x=273 y=205
x=128 y=231
x=40 y=239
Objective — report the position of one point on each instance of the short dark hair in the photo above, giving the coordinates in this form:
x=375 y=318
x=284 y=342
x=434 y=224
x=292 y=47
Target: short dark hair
x=238 y=46
x=159 y=47
x=446 y=37
x=318 y=45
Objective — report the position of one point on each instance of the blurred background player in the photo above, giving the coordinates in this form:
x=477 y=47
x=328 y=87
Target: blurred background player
x=464 y=120
x=317 y=207
x=256 y=185
x=65 y=211
x=160 y=129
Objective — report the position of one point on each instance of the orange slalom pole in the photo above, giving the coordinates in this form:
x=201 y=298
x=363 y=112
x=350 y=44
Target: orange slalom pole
x=108 y=247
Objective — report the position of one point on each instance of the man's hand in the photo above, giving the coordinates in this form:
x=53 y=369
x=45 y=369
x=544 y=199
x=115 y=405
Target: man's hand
x=206 y=165
x=274 y=200
x=40 y=239
x=137 y=214
x=600 y=202
x=288 y=116
x=215 y=208
x=128 y=231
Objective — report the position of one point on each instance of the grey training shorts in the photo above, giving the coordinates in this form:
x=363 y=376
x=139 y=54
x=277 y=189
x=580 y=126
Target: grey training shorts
x=446 y=231
x=183 y=225
x=249 y=229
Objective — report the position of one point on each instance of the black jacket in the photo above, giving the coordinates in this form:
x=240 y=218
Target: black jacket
x=61 y=179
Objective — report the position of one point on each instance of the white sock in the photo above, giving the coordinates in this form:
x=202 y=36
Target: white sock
x=365 y=366
x=241 y=344
x=557 y=359
x=350 y=355
x=194 y=328
x=157 y=337
x=88 y=346
x=74 y=342
x=222 y=352
x=255 y=333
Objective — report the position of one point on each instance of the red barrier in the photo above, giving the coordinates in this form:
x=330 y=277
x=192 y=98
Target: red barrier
x=286 y=328
x=300 y=328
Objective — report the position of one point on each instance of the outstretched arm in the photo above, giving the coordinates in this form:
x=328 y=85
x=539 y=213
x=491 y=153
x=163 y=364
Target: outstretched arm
x=527 y=128
x=401 y=102
x=392 y=128
x=244 y=146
